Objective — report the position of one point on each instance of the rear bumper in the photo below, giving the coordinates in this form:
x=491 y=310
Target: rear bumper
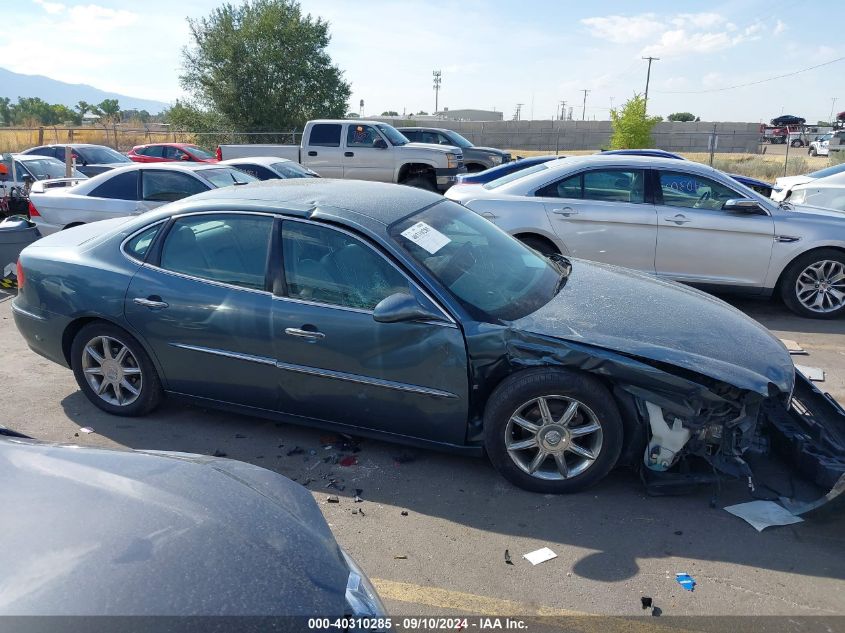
x=42 y=331
x=446 y=177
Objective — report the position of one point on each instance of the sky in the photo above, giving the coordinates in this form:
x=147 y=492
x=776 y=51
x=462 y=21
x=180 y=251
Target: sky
x=493 y=54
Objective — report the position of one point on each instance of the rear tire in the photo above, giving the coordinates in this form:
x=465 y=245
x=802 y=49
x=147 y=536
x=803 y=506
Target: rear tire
x=114 y=371
x=539 y=244
x=421 y=182
x=813 y=286
x=571 y=418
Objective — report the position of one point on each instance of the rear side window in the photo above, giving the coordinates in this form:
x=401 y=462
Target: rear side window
x=570 y=188
x=138 y=246
x=325 y=135
x=121 y=187
x=614 y=185
x=231 y=249
x=411 y=135
x=167 y=186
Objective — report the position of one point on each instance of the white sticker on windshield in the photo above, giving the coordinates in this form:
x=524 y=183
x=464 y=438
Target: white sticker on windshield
x=426 y=237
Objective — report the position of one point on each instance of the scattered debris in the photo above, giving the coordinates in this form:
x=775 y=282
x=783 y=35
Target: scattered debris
x=312 y=452
x=793 y=347
x=679 y=533
x=240 y=436
x=405 y=457
x=508 y=560
x=86 y=429
x=333 y=484
x=404 y=513
x=762 y=514
x=685 y=580
x=332 y=499
x=816 y=374
x=218 y=453
x=349 y=460
x=656 y=612
x=358 y=511
x=331 y=459
x=358 y=499
x=295 y=451
x=400 y=557
x=539 y=556
x=647 y=602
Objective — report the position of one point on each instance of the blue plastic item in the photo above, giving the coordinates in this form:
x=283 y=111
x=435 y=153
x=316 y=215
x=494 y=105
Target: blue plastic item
x=686 y=581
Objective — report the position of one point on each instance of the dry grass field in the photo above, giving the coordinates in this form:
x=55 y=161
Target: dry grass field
x=15 y=140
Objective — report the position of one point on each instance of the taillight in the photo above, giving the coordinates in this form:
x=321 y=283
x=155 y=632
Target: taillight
x=33 y=212
x=20 y=275
x=219 y=153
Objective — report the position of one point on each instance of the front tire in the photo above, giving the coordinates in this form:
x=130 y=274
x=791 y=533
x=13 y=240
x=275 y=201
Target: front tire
x=421 y=182
x=114 y=371
x=552 y=430
x=813 y=285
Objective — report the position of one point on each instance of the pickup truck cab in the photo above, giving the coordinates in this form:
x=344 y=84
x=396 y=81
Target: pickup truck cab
x=364 y=150
x=819 y=147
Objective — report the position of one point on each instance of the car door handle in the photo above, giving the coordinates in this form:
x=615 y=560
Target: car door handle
x=309 y=334
x=312 y=153
x=678 y=219
x=349 y=154
x=154 y=303
x=565 y=211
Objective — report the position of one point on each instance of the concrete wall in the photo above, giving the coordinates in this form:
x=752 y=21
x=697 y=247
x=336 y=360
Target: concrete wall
x=593 y=135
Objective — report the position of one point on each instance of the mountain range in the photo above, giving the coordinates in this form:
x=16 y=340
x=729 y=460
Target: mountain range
x=14 y=85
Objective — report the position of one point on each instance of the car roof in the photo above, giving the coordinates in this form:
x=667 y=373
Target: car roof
x=69 y=145
x=256 y=160
x=165 y=144
x=424 y=127
x=169 y=166
x=349 y=200
x=22 y=158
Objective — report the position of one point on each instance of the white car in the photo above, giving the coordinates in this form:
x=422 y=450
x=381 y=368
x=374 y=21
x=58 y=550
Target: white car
x=270 y=167
x=23 y=167
x=820 y=147
x=129 y=190
x=675 y=219
x=828 y=193
x=783 y=186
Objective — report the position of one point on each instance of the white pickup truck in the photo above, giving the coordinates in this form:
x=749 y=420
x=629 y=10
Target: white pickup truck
x=363 y=150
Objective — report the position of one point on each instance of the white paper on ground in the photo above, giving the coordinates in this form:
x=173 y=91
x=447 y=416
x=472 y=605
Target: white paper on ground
x=812 y=373
x=426 y=237
x=539 y=556
x=762 y=514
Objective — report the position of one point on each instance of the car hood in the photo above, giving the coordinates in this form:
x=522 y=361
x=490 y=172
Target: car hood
x=642 y=316
x=434 y=147
x=486 y=150
x=791 y=181
x=821 y=212
x=103 y=532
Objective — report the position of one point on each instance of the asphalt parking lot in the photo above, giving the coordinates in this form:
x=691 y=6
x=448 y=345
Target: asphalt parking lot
x=446 y=554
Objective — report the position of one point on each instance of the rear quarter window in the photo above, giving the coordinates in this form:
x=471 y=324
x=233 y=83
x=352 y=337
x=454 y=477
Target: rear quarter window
x=138 y=246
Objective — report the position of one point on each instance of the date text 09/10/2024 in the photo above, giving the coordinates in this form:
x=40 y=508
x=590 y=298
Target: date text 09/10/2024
x=418 y=624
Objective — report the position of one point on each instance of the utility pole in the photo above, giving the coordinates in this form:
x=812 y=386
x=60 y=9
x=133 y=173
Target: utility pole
x=562 y=111
x=648 y=78
x=611 y=103
x=518 y=111
x=832 y=108
x=584 y=106
x=437 y=82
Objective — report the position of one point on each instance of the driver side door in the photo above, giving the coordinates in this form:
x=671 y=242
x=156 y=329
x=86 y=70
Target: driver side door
x=699 y=242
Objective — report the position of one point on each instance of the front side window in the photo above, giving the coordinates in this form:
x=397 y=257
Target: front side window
x=412 y=135
x=121 y=187
x=231 y=249
x=493 y=275
x=393 y=135
x=361 y=136
x=325 y=135
x=101 y=155
x=173 y=153
x=47 y=168
x=167 y=186
x=199 y=152
x=681 y=189
x=327 y=266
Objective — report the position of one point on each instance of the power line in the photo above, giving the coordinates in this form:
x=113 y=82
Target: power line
x=750 y=83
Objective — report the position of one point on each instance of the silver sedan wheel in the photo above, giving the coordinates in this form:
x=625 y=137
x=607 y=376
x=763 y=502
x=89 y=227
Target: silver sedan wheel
x=553 y=437
x=821 y=286
x=112 y=371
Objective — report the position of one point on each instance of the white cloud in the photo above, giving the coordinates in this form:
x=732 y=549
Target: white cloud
x=50 y=7
x=698 y=20
x=621 y=29
x=780 y=27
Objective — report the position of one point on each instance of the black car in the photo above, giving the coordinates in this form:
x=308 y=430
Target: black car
x=96 y=532
x=90 y=159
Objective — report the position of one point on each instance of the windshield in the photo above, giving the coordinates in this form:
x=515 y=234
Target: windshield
x=515 y=176
x=828 y=171
x=46 y=168
x=226 y=176
x=493 y=275
x=293 y=170
x=199 y=152
x=101 y=155
x=393 y=135
x=459 y=140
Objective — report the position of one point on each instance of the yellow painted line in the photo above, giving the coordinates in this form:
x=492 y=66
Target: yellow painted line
x=461 y=603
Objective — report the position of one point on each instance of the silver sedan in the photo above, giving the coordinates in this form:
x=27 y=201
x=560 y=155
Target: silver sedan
x=679 y=220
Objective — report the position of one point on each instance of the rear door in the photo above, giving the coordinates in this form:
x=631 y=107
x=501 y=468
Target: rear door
x=160 y=186
x=362 y=159
x=322 y=150
x=202 y=305
x=605 y=215
x=699 y=242
x=338 y=364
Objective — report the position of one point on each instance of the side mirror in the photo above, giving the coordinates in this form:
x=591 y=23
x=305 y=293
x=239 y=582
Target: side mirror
x=379 y=143
x=741 y=205
x=401 y=307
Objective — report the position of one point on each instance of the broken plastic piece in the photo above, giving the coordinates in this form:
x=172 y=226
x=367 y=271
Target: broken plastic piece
x=666 y=441
x=685 y=580
x=762 y=514
x=792 y=346
x=87 y=429
x=400 y=557
x=646 y=601
x=332 y=499
x=508 y=560
x=539 y=556
x=357 y=499
x=816 y=374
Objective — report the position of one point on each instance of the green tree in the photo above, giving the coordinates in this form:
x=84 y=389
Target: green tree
x=631 y=126
x=423 y=112
x=110 y=109
x=263 y=65
x=5 y=111
x=390 y=113
x=352 y=115
x=187 y=116
x=683 y=117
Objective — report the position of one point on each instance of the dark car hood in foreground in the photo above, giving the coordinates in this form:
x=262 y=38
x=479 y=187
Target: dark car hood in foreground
x=643 y=316
x=100 y=532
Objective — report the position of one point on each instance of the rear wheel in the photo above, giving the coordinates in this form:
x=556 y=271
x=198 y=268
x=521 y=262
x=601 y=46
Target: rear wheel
x=539 y=244
x=552 y=430
x=797 y=143
x=114 y=371
x=814 y=284
x=421 y=182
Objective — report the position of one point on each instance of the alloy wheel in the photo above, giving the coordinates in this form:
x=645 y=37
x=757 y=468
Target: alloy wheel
x=553 y=437
x=821 y=286
x=112 y=371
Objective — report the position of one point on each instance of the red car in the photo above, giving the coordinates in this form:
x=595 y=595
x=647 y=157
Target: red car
x=165 y=152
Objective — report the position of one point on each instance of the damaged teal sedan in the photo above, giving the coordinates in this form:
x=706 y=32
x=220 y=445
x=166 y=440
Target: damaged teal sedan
x=389 y=311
